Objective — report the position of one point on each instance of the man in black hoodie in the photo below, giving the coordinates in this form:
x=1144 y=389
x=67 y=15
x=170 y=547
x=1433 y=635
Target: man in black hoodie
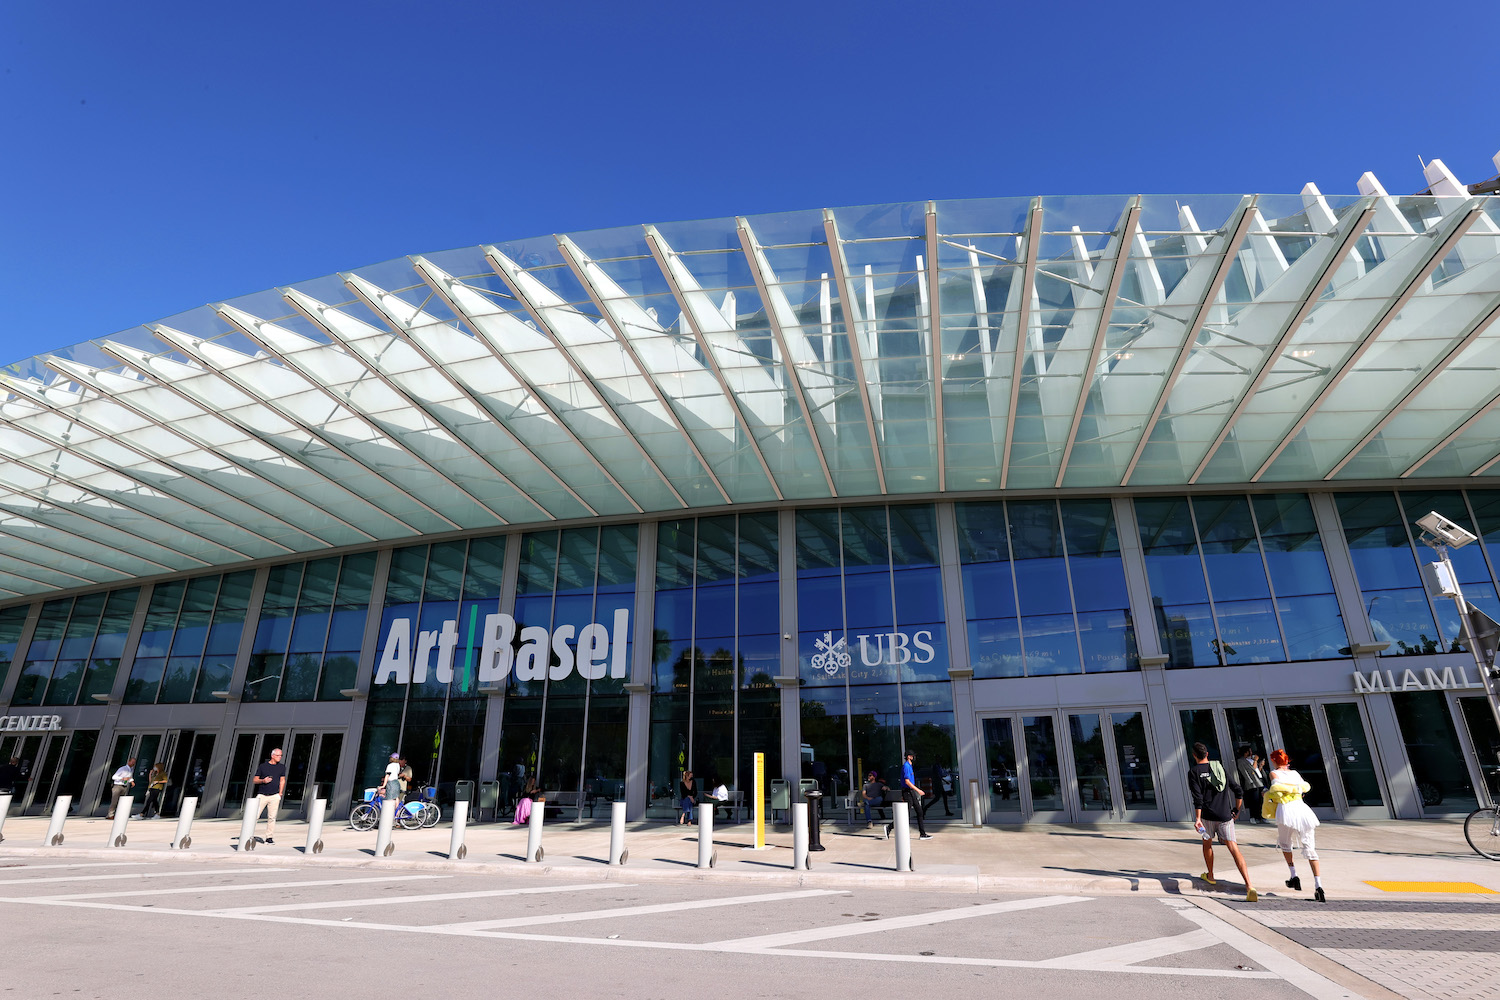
x=1216 y=801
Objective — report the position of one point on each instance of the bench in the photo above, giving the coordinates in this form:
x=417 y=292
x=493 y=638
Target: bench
x=569 y=800
x=735 y=803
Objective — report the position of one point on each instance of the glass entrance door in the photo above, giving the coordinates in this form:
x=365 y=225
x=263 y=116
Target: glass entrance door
x=1113 y=776
x=1025 y=770
x=311 y=759
x=1329 y=746
x=1484 y=740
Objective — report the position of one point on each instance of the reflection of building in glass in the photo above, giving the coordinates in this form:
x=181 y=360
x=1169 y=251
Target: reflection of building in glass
x=1034 y=488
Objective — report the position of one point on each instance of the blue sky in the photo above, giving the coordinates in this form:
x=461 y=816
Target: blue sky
x=159 y=156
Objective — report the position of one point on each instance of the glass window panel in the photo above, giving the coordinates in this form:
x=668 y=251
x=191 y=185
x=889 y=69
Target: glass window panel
x=864 y=532
x=1108 y=641
x=408 y=571
x=1198 y=727
x=1375 y=529
x=759 y=606
x=1133 y=753
x=1403 y=618
x=355 y=580
x=1293 y=548
x=919 y=595
x=1351 y=750
x=1187 y=635
x=1468 y=562
x=1231 y=553
x=995 y=648
x=1171 y=551
x=445 y=571
x=178 y=680
x=1247 y=633
x=1432 y=746
x=318 y=584
x=485 y=570
x=1088 y=763
x=1096 y=567
x=913 y=534
x=1051 y=644
x=1314 y=627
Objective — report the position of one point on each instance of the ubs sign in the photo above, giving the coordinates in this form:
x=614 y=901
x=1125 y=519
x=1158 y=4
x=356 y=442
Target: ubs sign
x=594 y=650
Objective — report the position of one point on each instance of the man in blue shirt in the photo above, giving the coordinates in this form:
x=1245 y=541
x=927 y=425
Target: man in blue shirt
x=912 y=793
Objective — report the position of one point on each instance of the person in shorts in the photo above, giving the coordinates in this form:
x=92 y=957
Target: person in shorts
x=1216 y=802
x=1295 y=822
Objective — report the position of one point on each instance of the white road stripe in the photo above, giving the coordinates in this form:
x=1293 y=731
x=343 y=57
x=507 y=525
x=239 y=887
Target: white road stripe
x=1134 y=951
x=241 y=887
x=1284 y=966
x=341 y=904
x=102 y=878
x=632 y=911
x=890 y=923
x=89 y=864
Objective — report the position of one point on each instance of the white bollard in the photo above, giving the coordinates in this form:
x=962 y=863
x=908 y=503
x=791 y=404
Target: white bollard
x=59 y=816
x=457 y=849
x=617 y=852
x=534 y=850
x=799 y=836
x=315 y=827
x=4 y=810
x=976 y=802
x=247 y=824
x=383 y=846
x=183 y=839
x=707 y=856
x=122 y=817
x=902 y=826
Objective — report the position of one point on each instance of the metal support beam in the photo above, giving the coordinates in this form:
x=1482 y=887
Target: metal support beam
x=1030 y=240
x=849 y=309
x=935 y=322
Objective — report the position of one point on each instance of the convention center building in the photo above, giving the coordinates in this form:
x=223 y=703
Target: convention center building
x=1042 y=490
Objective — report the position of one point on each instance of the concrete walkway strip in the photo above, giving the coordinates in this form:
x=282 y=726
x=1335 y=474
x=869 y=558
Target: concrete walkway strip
x=438 y=897
x=633 y=911
x=764 y=941
x=244 y=887
x=101 y=878
x=1284 y=966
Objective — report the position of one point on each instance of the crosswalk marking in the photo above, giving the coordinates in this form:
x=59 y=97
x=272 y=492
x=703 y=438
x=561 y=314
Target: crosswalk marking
x=86 y=864
x=890 y=923
x=1284 y=966
x=1134 y=951
x=100 y=878
x=236 y=887
x=437 y=897
x=633 y=911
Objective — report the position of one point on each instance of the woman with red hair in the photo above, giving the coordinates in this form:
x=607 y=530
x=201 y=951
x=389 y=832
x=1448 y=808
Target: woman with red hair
x=1294 y=819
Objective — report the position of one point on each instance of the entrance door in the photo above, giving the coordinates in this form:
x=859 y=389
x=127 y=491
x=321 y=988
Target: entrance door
x=1326 y=732
x=1484 y=740
x=1113 y=775
x=1025 y=769
x=311 y=759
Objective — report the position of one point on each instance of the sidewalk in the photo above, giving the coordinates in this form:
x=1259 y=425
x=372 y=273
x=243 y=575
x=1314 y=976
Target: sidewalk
x=1153 y=859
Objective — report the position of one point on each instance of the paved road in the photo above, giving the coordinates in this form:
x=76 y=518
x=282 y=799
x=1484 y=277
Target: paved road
x=195 y=930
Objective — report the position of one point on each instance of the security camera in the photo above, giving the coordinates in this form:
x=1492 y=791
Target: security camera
x=1445 y=531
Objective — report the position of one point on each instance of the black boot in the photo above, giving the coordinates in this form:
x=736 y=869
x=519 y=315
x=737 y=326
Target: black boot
x=1294 y=883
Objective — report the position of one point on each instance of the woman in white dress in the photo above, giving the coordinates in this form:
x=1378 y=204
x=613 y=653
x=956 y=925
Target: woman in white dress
x=1294 y=819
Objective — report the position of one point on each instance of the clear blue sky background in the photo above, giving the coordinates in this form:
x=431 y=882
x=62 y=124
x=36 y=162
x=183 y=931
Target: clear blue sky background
x=159 y=156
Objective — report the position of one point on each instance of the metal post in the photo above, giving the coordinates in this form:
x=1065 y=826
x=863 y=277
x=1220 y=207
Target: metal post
x=59 y=817
x=247 y=824
x=901 y=823
x=122 y=818
x=534 y=850
x=183 y=839
x=4 y=809
x=617 y=853
x=457 y=849
x=383 y=846
x=315 y=818
x=799 y=836
x=976 y=802
x=707 y=856
x=815 y=821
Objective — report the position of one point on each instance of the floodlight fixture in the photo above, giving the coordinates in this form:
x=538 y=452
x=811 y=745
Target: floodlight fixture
x=1444 y=531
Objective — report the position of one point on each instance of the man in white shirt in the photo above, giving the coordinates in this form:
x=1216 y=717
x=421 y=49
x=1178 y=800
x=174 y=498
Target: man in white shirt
x=123 y=778
x=393 y=778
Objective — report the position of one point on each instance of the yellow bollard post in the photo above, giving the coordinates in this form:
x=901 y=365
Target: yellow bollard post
x=760 y=802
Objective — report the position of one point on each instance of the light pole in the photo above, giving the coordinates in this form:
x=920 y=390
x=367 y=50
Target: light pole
x=1481 y=633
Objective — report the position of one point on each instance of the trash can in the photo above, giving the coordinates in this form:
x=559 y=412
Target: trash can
x=463 y=795
x=781 y=797
x=489 y=798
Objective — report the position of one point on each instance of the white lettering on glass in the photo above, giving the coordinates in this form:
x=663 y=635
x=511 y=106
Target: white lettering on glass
x=597 y=650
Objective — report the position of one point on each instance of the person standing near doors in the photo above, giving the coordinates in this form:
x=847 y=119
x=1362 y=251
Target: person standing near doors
x=156 y=788
x=270 y=783
x=1252 y=783
x=912 y=793
x=120 y=783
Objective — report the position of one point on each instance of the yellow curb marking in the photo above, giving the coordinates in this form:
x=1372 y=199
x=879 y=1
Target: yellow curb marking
x=1430 y=887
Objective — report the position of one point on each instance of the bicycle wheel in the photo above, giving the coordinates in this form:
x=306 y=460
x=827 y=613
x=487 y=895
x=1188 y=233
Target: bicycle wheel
x=431 y=814
x=364 y=816
x=409 y=820
x=1482 y=831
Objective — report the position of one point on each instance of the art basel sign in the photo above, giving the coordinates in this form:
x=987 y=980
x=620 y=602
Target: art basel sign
x=594 y=650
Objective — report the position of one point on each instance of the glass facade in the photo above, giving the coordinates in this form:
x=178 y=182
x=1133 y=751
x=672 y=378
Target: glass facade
x=872 y=645
x=1044 y=588
x=75 y=651
x=312 y=624
x=190 y=640
x=716 y=651
x=1239 y=579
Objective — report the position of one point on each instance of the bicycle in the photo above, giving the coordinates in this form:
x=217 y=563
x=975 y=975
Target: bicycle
x=411 y=815
x=1482 y=831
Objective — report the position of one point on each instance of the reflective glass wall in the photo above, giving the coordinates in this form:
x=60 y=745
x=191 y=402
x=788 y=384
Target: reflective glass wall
x=715 y=654
x=1238 y=579
x=312 y=623
x=872 y=645
x=436 y=724
x=1044 y=588
x=190 y=639
x=561 y=729
x=1382 y=542
x=75 y=650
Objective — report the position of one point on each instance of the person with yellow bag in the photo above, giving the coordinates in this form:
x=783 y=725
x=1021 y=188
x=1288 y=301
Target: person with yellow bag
x=1294 y=820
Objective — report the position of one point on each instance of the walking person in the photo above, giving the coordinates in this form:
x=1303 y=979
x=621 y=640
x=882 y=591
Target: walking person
x=1216 y=802
x=942 y=786
x=912 y=793
x=120 y=783
x=270 y=783
x=1252 y=782
x=156 y=788
x=1295 y=821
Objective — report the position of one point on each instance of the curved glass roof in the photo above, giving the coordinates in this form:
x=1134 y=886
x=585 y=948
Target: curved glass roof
x=1082 y=342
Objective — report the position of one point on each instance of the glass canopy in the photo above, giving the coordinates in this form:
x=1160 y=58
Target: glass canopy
x=1075 y=343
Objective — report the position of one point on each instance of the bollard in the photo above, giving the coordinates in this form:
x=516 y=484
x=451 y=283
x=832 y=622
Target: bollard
x=4 y=810
x=457 y=849
x=315 y=827
x=122 y=817
x=707 y=856
x=383 y=846
x=799 y=837
x=976 y=803
x=617 y=852
x=902 y=826
x=183 y=839
x=534 y=850
x=59 y=816
x=247 y=825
